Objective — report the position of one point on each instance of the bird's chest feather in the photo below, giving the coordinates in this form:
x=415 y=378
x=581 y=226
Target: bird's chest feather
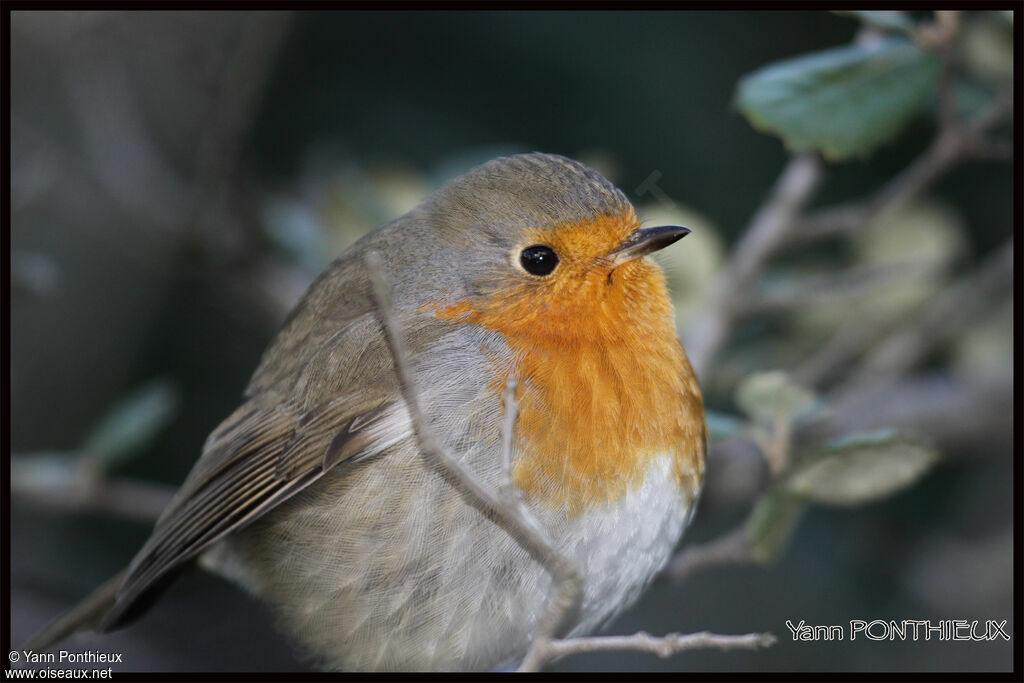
x=604 y=388
x=594 y=418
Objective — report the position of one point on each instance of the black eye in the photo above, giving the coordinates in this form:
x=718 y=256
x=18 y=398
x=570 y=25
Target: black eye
x=538 y=259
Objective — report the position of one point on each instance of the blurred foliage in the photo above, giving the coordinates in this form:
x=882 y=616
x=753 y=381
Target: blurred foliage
x=131 y=424
x=768 y=397
x=859 y=468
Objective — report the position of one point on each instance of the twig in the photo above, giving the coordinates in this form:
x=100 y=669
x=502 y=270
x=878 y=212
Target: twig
x=511 y=495
x=665 y=646
x=769 y=228
x=66 y=487
x=730 y=548
x=568 y=585
x=951 y=146
x=830 y=289
x=853 y=337
x=962 y=417
x=949 y=311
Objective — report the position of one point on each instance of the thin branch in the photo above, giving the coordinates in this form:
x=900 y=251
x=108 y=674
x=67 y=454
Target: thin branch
x=769 y=228
x=951 y=146
x=850 y=340
x=991 y=150
x=665 y=646
x=730 y=548
x=947 y=312
x=568 y=585
x=511 y=495
x=964 y=418
x=66 y=487
x=830 y=289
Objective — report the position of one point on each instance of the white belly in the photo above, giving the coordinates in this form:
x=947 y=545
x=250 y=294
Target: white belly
x=369 y=572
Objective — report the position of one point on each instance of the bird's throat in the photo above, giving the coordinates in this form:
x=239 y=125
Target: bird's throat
x=601 y=396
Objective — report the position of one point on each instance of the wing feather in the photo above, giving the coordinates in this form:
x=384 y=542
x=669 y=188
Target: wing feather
x=252 y=466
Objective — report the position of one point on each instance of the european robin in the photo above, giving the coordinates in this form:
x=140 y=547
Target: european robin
x=314 y=495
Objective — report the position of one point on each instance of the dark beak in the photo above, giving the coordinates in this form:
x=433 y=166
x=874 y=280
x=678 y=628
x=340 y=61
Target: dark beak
x=645 y=241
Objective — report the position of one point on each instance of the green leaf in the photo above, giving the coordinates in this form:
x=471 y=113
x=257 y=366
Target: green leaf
x=768 y=396
x=132 y=423
x=859 y=468
x=845 y=101
x=771 y=524
x=889 y=20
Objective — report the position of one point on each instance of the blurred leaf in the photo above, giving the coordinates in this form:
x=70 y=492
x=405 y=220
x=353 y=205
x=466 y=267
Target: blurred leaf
x=889 y=20
x=984 y=350
x=767 y=396
x=924 y=231
x=987 y=47
x=689 y=267
x=923 y=240
x=771 y=524
x=132 y=423
x=294 y=230
x=723 y=425
x=843 y=102
x=44 y=470
x=859 y=468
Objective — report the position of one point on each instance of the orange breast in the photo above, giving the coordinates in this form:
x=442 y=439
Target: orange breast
x=604 y=384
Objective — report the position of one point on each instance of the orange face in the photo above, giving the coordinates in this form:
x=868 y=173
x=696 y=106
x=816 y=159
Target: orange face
x=604 y=385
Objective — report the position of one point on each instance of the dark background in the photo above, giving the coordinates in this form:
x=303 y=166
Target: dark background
x=357 y=114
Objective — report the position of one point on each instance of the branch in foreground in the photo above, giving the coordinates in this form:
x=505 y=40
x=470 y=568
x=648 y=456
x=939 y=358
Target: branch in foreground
x=665 y=646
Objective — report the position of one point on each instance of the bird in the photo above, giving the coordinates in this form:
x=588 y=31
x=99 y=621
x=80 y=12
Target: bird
x=314 y=495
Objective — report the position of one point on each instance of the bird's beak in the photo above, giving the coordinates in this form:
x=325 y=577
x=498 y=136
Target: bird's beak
x=645 y=241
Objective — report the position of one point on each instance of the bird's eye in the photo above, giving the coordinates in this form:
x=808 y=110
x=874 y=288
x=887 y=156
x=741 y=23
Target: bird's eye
x=538 y=259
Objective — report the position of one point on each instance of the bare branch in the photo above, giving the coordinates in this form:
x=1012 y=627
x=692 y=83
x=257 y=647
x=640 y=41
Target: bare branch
x=991 y=150
x=949 y=311
x=962 y=417
x=853 y=337
x=950 y=147
x=769 y=228
x=665 y=646
x=67 y=487
x=512 y=496
x=730 y=548
x=830 y=289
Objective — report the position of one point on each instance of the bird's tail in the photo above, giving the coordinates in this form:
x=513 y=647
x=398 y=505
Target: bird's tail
x=86 y=615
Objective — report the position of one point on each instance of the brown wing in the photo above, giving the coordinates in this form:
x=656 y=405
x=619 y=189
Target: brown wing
x=258 y=458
